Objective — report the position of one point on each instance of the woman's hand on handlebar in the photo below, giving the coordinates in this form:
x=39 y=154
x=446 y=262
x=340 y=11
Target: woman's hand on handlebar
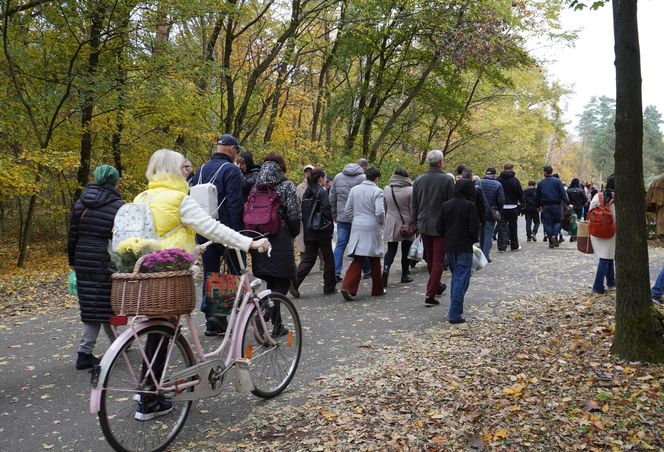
x=261 y=245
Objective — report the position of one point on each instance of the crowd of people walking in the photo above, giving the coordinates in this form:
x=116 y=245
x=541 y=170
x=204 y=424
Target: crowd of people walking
x=445 y=213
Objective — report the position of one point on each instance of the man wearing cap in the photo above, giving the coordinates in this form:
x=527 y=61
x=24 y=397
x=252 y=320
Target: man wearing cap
x=430 y=191
x=495 y=200
x=228 y=181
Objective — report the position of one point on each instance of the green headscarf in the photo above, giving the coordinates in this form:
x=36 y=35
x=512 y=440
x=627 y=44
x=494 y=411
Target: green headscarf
x=106 y=174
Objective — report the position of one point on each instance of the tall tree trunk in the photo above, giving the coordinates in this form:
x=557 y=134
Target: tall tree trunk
x=639 y=329
x=25 y=232
x=358 y=114
x=282 y=72
x=228 y=77
x=88 y=98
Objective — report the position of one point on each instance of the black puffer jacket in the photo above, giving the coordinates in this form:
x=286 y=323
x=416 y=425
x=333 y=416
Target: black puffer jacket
x=90 y=230
x=512 y=188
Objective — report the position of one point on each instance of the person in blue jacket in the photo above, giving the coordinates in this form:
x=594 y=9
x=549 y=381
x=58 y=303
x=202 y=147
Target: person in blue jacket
x=222 y=171
x=549 y=196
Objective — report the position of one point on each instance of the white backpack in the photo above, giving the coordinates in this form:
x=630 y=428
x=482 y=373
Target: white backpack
x=135 y=219
x=206 y=194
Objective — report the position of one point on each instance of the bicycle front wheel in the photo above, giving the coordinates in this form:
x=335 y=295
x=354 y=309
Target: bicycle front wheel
x=272 y=365
x=134 y=414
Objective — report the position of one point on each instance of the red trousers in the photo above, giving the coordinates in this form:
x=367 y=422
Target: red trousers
x=354 y=273
x=434 y=249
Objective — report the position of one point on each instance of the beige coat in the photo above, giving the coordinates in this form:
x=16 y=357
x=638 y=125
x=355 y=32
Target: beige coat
x=403 y=192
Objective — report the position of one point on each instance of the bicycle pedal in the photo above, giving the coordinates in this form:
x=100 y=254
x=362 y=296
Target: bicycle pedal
x=243 y=381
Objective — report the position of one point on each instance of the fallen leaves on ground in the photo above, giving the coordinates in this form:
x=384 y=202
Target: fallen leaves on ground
x=38 y=287
x=543 y=379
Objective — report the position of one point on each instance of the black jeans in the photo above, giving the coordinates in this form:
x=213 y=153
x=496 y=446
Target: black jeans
x=308 y=259
x=507 y=231
x=532 y=218
x=392 y=252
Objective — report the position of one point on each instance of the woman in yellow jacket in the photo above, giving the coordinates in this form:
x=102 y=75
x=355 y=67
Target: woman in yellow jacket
x=177 y=218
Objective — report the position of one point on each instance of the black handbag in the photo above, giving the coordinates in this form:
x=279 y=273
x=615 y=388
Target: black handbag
x=316 y=222
x=406 y=229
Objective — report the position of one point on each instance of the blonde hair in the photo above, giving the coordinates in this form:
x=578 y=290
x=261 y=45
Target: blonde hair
x=165 y=161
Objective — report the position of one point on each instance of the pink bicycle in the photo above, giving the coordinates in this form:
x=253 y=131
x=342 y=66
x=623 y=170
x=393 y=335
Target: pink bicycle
x=146 y=382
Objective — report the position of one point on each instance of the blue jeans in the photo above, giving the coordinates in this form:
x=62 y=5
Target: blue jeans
x=658 y=288
x=460 y=265
x=486 y=237
x=551 y=217
x=604 y=271
x=343 y=234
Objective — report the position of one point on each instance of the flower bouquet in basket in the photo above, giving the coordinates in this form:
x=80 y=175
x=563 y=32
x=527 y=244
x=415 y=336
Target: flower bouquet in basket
x=150 y=281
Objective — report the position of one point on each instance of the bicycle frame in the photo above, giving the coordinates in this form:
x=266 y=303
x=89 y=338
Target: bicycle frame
x=179 y=384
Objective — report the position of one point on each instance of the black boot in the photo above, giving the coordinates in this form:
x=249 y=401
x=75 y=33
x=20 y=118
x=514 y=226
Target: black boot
x=86 y=361
x=386 y=274
x=405 y=276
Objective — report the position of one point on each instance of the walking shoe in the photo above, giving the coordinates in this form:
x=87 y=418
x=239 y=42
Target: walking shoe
x=553 y=242
x=457 y=321
x=534 y=238
x=215 y=326
x=405 y=278
x=530 y=239
x=517 y=249
x=329 y=291
x=561 y=239
x=366 y=276
x=147 y=411
x=599 y=292
x=380 y=294
x=279 y=330
x=429 y=302
x=86 y=361
x=611 y=289
x=293 y=291
x=441 y=289
x=347 y=295
x=339 y=278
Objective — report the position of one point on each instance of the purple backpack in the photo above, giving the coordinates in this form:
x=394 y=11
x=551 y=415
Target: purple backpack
x=261 y=210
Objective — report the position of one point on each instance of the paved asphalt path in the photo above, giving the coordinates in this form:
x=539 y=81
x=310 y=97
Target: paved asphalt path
x=44 y=400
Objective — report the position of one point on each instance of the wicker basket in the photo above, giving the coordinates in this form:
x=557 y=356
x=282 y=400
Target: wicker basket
x=153 y=294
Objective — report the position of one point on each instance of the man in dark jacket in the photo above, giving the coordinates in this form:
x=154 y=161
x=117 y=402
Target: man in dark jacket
x=459 y=225
x=430 y=191
x=227 y=177
x=514 y=202
x=531 y=211
x=549 y=195
x=577 y=197
x=495 y=199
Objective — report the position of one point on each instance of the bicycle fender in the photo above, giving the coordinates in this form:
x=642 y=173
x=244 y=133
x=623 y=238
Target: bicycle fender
x=95 y=393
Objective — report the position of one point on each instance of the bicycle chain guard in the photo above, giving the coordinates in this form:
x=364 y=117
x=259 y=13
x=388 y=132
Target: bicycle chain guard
x=209 y=374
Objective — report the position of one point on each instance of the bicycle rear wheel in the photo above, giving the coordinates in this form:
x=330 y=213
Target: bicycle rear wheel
x=272 y=365
x=133 y=415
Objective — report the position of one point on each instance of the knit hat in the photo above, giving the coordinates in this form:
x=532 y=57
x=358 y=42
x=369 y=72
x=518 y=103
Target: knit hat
x=106 y=174
x=611 y=182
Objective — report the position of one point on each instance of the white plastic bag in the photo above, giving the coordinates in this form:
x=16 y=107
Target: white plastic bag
x=479 y=259
x=334 y=236
x=416 y=251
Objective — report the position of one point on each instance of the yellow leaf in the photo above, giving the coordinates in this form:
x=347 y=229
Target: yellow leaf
x=455 y=385
x=328 y=415
x=420 y=423
x=605 y=408
x=517 y=315
x=487 y=437
x=47 y=446
x=515 y=390
x=500 y=434
x=359 y=410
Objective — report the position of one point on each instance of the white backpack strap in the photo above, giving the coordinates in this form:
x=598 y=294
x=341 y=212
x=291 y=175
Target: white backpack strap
x=200 y=174
x=214 y=178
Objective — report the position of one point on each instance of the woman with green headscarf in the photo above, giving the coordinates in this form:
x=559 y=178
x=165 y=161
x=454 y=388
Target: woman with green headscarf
x=90 y=230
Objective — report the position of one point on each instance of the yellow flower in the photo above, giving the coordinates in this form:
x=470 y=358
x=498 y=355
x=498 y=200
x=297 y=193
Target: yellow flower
x=138 y=246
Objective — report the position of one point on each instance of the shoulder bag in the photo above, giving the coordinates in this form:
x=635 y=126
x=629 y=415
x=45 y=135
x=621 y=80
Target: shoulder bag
x=407 y=229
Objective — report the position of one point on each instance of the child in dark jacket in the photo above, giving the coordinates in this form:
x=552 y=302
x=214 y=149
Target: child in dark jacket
x=459 y=224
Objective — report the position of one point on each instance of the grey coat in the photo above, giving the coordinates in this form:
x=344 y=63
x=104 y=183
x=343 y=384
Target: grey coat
x=352 y=175
x=403 y=192
x=367 y=209
x=430 y=191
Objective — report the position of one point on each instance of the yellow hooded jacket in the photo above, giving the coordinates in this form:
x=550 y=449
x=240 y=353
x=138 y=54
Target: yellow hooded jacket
x=165 y=194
